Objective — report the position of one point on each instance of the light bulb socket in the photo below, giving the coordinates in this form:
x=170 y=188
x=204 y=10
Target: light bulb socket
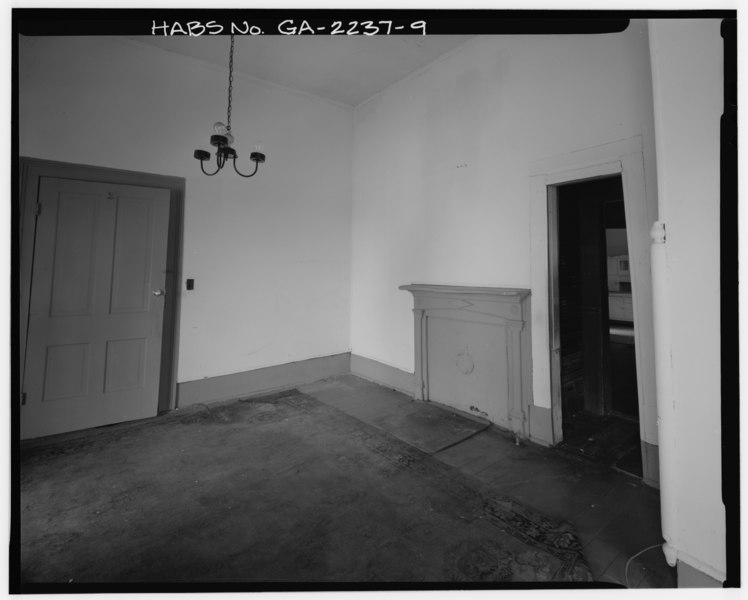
x=226 y=152
x=257 y=157
x=202 y=155
x=219 y=140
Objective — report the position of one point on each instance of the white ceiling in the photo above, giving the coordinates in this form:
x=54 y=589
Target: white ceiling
x=345 y=69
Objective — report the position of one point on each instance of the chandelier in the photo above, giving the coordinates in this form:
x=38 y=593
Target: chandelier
x=222 y=138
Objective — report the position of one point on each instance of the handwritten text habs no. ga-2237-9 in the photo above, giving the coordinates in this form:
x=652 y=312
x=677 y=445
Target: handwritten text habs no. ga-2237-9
x=290 y=27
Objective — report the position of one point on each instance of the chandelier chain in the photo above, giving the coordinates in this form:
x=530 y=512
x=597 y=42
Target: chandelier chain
x=222 y=138
x=231 y=83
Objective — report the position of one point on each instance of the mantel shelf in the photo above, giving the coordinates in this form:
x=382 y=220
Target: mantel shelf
x=460 y=290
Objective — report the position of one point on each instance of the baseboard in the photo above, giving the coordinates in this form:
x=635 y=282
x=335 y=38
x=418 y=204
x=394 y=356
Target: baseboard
x=383 y=374
x=541 y=425
x=692 y=577
x=651 y=464
x=262 y=381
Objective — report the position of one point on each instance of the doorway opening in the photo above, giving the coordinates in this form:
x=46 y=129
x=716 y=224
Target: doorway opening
x=597 y=355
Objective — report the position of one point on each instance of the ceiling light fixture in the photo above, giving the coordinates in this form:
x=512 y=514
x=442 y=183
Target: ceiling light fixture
x=222 y=138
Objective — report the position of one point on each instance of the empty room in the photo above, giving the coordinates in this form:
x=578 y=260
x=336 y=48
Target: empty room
x=348 y=301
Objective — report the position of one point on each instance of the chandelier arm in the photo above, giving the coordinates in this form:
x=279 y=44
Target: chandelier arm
x=202 y=168
x=257 y=166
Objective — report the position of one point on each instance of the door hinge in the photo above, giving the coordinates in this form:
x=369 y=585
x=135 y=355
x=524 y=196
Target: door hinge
x=38 y=210
x=23 y=398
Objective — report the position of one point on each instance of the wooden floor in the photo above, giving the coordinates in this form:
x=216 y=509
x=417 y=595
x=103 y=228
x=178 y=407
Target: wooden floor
x=616 y=516
x=98 y=505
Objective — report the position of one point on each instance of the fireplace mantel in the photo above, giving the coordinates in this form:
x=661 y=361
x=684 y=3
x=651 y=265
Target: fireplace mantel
x=472 y=350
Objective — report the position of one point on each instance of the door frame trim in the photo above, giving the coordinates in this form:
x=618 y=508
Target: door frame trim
x=624 y=157
x=31 y=170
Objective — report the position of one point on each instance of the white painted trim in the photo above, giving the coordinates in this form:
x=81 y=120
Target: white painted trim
x=586 y=157
x=665 y=408
x=540 y=315
x=382 y=374
x=695 y=563
x=624 y=157
x=580 y=174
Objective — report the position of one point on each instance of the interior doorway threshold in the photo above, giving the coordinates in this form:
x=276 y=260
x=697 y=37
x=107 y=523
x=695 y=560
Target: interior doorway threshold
x=606 y=440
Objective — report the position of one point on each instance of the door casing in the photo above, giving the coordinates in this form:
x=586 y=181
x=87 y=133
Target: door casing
x=624 y=158
x=31 y=170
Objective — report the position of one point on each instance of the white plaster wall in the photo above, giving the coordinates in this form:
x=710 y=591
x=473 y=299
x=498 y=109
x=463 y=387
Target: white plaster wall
x=271 y=254
x=441 y=165
x=687 y=67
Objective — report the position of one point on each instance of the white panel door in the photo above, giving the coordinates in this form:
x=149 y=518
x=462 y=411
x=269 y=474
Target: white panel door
x=93 y=352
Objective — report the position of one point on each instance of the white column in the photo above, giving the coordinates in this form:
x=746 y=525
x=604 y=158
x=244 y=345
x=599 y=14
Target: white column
x=664 y=385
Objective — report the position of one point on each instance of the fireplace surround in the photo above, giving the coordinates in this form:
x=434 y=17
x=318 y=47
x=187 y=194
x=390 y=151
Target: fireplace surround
x=472 y=351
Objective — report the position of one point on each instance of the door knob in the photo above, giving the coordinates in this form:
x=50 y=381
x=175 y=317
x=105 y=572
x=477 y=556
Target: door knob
x=158 y=292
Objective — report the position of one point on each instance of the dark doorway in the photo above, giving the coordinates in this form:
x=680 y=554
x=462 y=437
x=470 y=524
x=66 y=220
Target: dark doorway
x=597 y=353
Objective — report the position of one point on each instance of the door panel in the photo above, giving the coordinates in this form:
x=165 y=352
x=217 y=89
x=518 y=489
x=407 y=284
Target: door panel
x=66 y=371
x=130 y=284
x=74 y=250
x=125 y=364
x=94 y=334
